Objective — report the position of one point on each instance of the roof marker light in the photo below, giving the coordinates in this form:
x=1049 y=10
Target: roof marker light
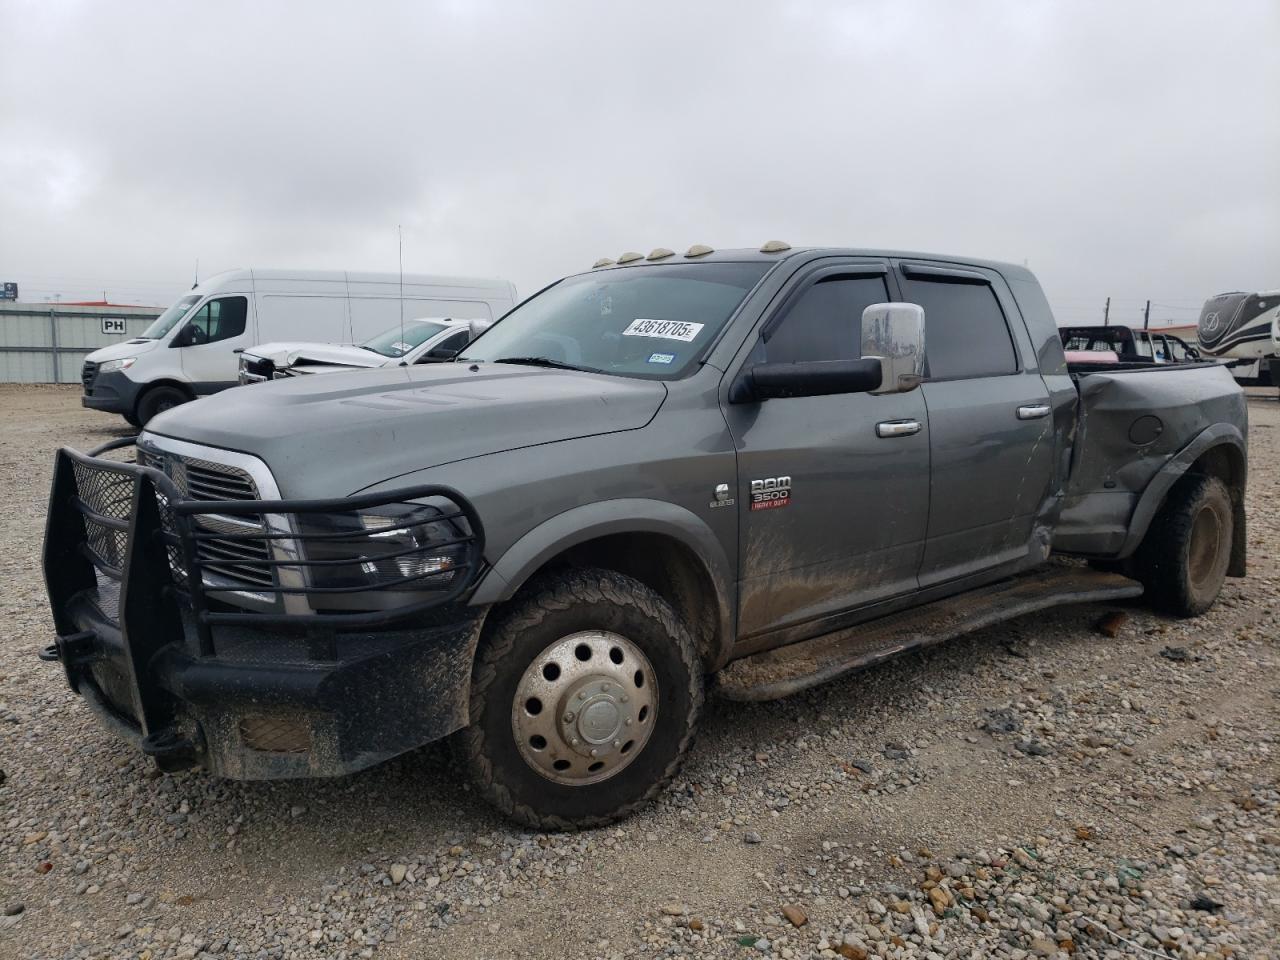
x=602 y=262
x=660 y=253
x=775 y=246
x=698 y=250
x=630 y=257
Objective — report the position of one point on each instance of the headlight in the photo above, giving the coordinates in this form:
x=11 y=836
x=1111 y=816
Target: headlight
x=110 y=365
x=403 y=547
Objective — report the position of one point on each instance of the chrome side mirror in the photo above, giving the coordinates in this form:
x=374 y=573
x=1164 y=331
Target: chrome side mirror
x=893 y=333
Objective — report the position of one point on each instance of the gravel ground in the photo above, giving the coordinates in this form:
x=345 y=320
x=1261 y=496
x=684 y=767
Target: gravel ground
x=1040 y=789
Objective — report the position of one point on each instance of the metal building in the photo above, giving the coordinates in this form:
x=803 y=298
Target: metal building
x=47 y=342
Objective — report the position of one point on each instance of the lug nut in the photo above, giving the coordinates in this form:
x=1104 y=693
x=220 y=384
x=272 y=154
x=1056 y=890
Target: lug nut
x=595 y=753
x=617 y=743
x=574 y=741
x=582 y=695
x=568 y=717
x=625 y=698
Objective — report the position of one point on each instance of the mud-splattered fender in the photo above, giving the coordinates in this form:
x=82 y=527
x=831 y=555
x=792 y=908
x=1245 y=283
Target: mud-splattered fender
x=1218 y=435
x=604 y=518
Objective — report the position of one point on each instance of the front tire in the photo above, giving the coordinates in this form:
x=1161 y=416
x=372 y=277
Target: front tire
x=157 y=400
x=1183 y=559
x=585 y=696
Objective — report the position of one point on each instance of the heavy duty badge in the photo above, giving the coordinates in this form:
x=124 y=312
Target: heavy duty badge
x=771 y=493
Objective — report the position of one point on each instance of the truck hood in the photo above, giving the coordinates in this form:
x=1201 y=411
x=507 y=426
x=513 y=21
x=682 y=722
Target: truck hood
x=118 y=351
x=298 y=354
x=333 y=436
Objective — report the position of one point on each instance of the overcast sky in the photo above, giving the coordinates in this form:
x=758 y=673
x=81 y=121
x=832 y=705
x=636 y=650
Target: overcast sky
x=1126 y=149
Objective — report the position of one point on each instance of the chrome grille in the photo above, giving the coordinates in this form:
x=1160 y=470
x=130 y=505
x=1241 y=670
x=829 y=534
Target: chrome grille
x=214 y=481
x=232 y=561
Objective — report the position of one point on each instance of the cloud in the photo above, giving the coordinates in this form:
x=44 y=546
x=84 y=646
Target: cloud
x=1120 y=149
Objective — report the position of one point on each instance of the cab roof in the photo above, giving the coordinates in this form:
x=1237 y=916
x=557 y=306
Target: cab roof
x=755 y=255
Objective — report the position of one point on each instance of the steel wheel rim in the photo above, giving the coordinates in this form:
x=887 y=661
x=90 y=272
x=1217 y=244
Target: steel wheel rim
x=585 y=708
x=1206 y=543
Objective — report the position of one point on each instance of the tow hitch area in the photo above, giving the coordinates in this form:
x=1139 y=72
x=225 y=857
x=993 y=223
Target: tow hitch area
x=170 y=750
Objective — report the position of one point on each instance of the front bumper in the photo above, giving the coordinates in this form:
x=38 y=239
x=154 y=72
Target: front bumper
x=192 y=680
x=112 y=392
x=270 y=706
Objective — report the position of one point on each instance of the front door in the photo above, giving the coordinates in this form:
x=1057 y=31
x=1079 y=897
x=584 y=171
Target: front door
x=209 y=340
x=833 y=492
x=990 y=424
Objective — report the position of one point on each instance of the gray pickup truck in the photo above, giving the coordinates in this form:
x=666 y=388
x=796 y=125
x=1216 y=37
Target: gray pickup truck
x=753 y=470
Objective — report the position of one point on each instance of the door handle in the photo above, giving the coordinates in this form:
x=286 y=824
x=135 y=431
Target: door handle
x=1033 y=411
x=897 y=428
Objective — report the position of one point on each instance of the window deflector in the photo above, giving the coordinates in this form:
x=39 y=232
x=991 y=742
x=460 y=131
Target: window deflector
x=826 y=273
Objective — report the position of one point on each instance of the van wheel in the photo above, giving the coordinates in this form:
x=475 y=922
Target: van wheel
x=1183 y=559
x=585 y=695
x=158 y=400
x=131 y=419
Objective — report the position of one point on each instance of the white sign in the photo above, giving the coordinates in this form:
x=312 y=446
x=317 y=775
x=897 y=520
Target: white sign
x=113 y=325
x=664 y=329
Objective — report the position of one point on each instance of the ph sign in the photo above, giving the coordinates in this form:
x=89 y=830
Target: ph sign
x=113 y=325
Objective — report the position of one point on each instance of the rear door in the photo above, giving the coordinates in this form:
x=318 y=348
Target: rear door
x=991 y=438
x=832 y=511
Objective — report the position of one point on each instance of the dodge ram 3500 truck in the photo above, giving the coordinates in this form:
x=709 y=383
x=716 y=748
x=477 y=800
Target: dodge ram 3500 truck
x=753 y=469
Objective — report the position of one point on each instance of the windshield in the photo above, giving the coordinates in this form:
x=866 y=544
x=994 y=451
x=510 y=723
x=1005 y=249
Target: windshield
x=169 y=319
x=644 y=321
x=399 y=340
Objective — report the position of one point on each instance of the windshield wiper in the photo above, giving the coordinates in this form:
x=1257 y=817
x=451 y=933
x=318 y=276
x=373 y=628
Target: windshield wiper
x=545 y=362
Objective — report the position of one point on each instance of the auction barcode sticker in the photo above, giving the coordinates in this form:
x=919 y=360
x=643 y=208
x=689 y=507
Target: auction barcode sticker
x=663 y=329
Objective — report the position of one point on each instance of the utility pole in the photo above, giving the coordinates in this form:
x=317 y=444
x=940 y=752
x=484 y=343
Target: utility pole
x=1146 y=316
x=1106 y=312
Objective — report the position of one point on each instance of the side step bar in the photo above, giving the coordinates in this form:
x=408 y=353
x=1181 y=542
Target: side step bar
x=798 y=666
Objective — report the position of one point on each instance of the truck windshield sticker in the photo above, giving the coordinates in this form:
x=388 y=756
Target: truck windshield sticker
x=663 y=329
x=661 y=357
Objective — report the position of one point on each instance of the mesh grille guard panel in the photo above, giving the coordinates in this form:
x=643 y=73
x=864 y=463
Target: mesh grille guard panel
x=355 y=561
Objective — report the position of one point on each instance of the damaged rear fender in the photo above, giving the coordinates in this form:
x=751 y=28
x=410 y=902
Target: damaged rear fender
x=1219 y=451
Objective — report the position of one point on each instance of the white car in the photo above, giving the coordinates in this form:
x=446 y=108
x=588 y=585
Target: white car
x=190 y=350
x=423 y=340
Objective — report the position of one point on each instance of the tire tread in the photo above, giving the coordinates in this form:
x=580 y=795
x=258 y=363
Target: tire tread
x=1159 y=561
x=554 y=594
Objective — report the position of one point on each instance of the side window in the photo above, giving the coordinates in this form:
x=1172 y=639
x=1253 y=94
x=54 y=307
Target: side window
x=965 y=333
x=219 y=320
x=455 y=341
x=1177 y=349
x=825 y=323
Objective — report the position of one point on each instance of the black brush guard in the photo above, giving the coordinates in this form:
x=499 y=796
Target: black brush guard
x=138 y=614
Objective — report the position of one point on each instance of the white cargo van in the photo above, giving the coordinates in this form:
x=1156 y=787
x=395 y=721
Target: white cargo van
x=191 y=349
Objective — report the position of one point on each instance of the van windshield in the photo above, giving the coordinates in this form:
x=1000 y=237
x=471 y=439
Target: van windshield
x=643 y=321
x=399 y=340
x=169 y=319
